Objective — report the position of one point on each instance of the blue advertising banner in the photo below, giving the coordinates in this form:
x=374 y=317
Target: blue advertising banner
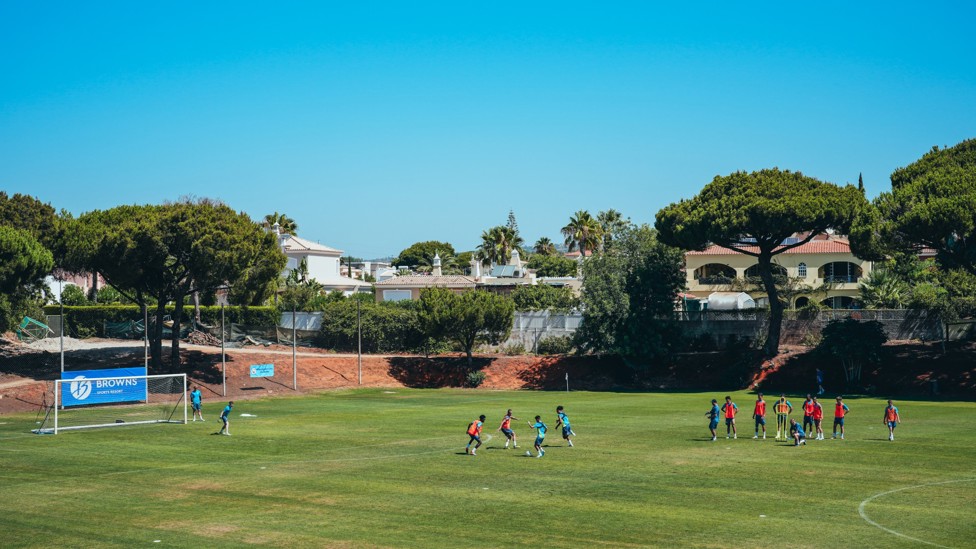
x=262 y=370
x=100 y=386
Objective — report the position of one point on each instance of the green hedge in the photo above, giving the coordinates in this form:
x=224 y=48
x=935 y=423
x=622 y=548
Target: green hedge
x=89 y=320
x=387 y=328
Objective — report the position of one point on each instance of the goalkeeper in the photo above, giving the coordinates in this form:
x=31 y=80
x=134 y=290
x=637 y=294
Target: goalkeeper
x=225 y=417
x=196 y=400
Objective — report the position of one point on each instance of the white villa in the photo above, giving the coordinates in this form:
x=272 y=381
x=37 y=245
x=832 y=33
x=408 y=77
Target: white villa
x=322 y=261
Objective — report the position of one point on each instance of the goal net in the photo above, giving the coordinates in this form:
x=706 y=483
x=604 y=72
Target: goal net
x=83 y=403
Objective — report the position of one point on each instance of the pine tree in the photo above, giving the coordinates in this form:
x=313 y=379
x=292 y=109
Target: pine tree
x=512 y=224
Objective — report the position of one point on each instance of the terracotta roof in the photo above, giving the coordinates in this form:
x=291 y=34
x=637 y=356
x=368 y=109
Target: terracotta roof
x=812 y=247
x=576 y=254
x=292 y=243
x=447 y=281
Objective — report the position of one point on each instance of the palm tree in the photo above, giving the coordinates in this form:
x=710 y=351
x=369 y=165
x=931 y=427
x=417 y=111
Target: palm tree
x=611 y=223
x=544 y=246
x=883 y=289
x=285 y=223
x=582 y=233
x=497 y=244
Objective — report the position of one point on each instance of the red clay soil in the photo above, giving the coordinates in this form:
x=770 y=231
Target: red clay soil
x=905 y=368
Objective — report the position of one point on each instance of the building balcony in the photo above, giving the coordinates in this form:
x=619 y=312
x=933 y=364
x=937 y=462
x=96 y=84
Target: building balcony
x=714 y=280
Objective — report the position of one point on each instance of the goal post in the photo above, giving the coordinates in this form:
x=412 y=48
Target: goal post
x=84 y=403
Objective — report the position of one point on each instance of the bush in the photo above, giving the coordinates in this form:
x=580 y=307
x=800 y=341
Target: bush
x=853 y=343
x=72 y=295
x=554 y=345
x=543 y=297
x=386 y=328
x=514 y=349
x=476 y=378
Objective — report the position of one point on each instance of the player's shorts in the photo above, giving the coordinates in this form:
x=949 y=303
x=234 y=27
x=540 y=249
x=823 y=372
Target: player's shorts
x=839 y=421
x=567 y=431
x=713 y=424
x=817 y=422
x=729 y=420
x=760 y=420
x=538 y=440
x=196 y=406
x=892 y=424
x=224 y=419
x=474 y=438
x=808 y=419
x=508 y=433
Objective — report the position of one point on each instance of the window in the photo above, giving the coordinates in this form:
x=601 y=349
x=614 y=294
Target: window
x=396 y=295
x=801 y=270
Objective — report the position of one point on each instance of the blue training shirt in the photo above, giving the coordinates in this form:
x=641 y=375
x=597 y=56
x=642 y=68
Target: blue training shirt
x=541 y=427
x=714 y=413
x=196 y=395
x=563 y=418
x=226 y=411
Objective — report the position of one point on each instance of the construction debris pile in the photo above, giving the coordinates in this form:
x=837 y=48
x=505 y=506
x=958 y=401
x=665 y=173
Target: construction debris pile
x=197 y=337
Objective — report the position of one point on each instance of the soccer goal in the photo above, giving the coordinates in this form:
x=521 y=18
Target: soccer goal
x=84 y=403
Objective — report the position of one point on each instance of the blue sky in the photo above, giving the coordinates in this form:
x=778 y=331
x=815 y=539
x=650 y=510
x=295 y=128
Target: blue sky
x=375 y=125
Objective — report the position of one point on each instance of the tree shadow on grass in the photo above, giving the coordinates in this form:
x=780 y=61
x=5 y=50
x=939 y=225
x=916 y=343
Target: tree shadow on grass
x=429 y=373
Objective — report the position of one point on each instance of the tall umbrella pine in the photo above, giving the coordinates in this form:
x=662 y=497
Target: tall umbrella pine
x=753 y=214
x=167 y=252
x=932 y=204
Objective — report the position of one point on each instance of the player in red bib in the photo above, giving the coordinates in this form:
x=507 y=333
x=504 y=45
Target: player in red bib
x=818 y=419
x=730 y=410
x=891 y=419
x=840 y=411
x=474 y=431
x=506 y=428
x=808 y=414
x=759 y=414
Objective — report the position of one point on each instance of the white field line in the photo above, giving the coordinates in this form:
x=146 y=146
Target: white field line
x=860 y=508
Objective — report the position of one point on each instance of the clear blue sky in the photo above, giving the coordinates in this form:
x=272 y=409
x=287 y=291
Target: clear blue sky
x=377 y=125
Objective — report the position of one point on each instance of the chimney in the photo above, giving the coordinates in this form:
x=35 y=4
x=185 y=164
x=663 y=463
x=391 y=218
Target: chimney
x=516 y=260
x=437 y=265
x=476 y=268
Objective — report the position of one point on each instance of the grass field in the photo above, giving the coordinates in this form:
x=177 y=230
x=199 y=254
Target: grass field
x=377 y=468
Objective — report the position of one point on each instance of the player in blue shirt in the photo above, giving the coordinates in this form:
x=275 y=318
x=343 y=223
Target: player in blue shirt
x=796 y=431
x=196 y=400
x=225 y=417
x=540 y=435
x=563 y=419
x=712 y=416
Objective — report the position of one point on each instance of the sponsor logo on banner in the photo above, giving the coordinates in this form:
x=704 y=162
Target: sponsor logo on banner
x=103 y=386
x=262 y=370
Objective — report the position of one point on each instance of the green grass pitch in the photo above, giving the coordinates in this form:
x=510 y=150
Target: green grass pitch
x=386 y=468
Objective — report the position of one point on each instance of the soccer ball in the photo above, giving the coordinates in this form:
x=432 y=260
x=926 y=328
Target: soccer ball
x=528 y=453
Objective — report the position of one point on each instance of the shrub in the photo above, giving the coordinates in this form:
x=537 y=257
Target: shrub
x=513 y=349
x=386 y=328
x=73 y=295
x=476 y=378
x=554 y=345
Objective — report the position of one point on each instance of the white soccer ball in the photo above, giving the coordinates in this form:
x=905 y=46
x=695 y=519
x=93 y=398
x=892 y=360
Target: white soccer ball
x=528 y=453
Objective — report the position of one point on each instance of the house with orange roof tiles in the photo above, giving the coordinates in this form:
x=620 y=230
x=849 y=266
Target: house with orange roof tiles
x=824 y=267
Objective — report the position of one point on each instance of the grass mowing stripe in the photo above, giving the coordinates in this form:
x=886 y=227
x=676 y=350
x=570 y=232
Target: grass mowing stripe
x=365 y=468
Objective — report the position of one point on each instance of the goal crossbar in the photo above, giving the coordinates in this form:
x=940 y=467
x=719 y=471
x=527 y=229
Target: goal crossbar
x=123 y=400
